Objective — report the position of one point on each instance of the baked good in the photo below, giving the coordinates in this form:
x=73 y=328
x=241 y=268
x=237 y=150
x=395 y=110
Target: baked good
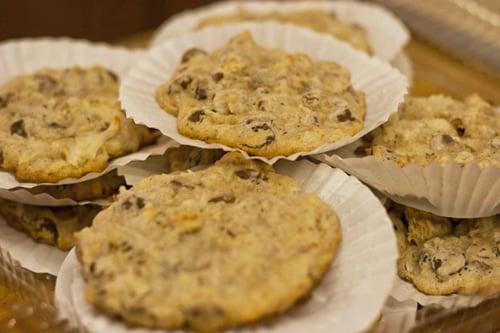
x=440 y=129
x=441 y=256
x=187 y=157
x=60 y=123
x=50 y=225
x=263 y=101
x=93 y=189
x=206 y=250
x=315 y=19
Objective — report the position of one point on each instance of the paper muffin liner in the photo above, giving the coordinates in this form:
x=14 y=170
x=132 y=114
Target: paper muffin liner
x=384 y=86
x=377 y=21
x=397 y=316
x=452 y=190
x=404 y=291
x=37 y=257
x=403 y=62
x=24 y=56
x=351 y=295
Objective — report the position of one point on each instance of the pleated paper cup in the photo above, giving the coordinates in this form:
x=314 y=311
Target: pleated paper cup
x=351 y=295
x=451 y=190
x=386 y=33
x=25 y=56
x=404 y=64
x=384 y=86
x=405 y=291
x=37 y=257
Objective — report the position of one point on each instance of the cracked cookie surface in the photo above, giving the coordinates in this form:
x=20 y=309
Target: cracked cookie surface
x=315 y=19
x=206 y=250
x=265 y=102
x=439 y=129
x=61 y=123
x=441 y=256
x=49 y=225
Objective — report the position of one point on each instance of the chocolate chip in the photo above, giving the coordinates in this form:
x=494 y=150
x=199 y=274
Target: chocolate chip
x=447 y=139
x=436 y=263
x=196 y=116
x=261 y=106
x=459 y=126
x=264 y=127
x=140 y=203
x=185 y=82
x=50 y=226
x=45 y=82
x=200 y=93
x=190 y=53
x=112 y=75
x=17 y=127
x=218 y=76
x=56 y=125
x=346 y=116
x=226 y=197
x=92 y=267
x=127 y=204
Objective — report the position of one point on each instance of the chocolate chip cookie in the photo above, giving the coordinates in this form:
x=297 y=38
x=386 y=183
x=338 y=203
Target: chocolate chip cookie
x=206 y=250
x=50 y=225
x=315 y=19
x=441 y=256
x=439 y=129
x=60 y=123
x=263 y=101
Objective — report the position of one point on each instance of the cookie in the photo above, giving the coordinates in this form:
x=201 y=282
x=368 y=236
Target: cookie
x=315 y=19
x=441 y=256
x=98 y=188
x=186 y=157
x=60 y=123
x=49 y=225
x=206 y=250
x=439 y=129
x=263 y=101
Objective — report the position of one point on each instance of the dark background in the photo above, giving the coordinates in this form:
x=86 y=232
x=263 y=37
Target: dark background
x=91 y=19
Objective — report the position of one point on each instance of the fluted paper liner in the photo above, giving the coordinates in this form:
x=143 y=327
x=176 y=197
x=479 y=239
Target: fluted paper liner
x=386 y=33
x=452 y=190
x=37 y=257
x=350 y=297
x=24 y=56
x=404 y=291
x=384 y=86
x=403 y=62
x=397 y=316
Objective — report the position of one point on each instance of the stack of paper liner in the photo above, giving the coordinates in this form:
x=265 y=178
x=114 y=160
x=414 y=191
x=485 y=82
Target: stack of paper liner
x=27 y=56
x=368 y=238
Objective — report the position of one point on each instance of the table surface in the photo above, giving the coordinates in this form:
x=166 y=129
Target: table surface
x=434 y=72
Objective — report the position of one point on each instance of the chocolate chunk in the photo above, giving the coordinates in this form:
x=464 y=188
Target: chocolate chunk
x=263 y=127
x=447 y=139
x=127 y=204
x=436 y=263
x=140 y=203
x=196 y=116
x=92 y=267
x=261 y=106
x=226 y=197
x=346 y=116
x=459 y=126
x=185 y=82
x=190 y=53
x=200 y=93
x=112 y=75
x=50 y=226
x=218 y=76
x=17 y=127
x=45 y=82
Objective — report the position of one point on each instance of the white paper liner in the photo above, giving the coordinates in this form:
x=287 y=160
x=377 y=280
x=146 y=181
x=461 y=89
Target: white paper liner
x=386 y=33
x=403 y=62
x=37 y=257
x=450 y=190
x=352 y=294
x=25 y=56
x=397 y=316
x=404 y=291
x=384 y=86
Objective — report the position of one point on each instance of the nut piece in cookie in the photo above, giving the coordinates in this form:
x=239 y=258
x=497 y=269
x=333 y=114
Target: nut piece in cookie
x=61 y=123
x=207 y=250
x=439 y=129
x=441 y=256
x=49 y=225
x=263 y=101
x=315 y=19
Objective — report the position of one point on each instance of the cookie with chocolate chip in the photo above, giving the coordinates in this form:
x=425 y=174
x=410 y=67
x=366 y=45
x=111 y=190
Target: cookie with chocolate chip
x=49 y=225
x=314 y=19
x=441 y=256
x=209 y=249
x=263 y=101
x=60 y=123
x=440 y=129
